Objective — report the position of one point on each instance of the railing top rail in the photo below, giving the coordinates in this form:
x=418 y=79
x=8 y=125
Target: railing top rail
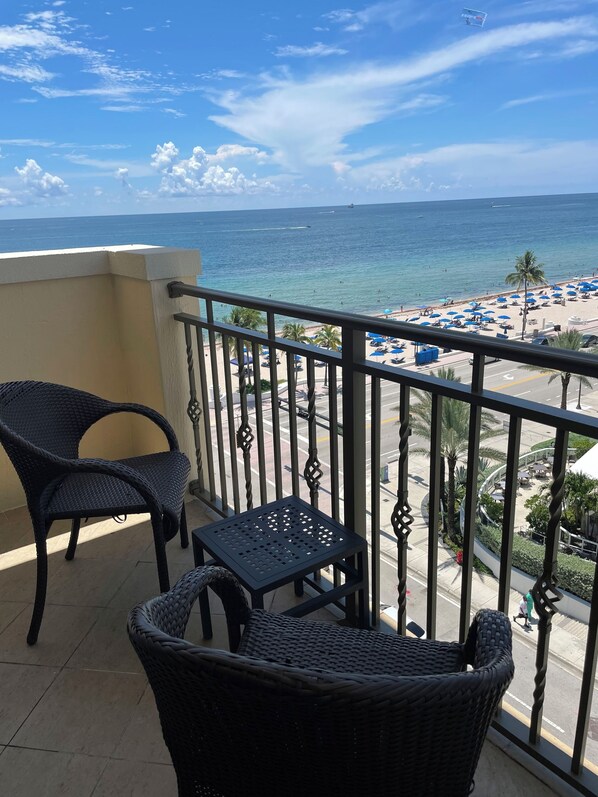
x=549 y=357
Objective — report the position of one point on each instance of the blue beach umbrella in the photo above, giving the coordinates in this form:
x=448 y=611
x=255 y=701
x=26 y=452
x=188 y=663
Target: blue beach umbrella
x=469 y=310
x=505 y=317
x=543 y=296
x=570 y=285
x=459 y=315
x=413 y=318
x=434 y=315
x=515 y=296
x=502 y=299
x=471 y=323
x=571 y=293
x=246 y=360
x=387 y=311
x=530 y=299
x=397 y=351
x=378 y=353
x=452 y=312
x=488 y=312
x=425 y=324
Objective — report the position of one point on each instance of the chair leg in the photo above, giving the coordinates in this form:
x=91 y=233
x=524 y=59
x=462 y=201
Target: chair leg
x=70 y=551
x=160 y=548
x=40 y=531
x=183 y=529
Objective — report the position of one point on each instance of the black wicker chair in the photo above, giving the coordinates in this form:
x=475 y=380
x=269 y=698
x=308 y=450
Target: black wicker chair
x=301 y=706
x=41 y=426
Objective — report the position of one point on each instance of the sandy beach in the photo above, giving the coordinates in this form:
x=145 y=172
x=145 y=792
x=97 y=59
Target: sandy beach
x=570 y=309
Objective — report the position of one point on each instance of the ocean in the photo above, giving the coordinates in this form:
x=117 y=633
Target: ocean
x=366 y=258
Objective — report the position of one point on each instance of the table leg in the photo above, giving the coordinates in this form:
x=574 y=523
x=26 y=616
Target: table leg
x=299 y=587
x=257 y=600
x=204 y=602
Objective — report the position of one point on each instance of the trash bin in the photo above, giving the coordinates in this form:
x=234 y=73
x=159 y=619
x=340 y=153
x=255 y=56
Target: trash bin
x=557 y=327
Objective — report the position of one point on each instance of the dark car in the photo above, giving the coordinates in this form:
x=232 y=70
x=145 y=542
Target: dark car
x=588 y=339
x=542 y=340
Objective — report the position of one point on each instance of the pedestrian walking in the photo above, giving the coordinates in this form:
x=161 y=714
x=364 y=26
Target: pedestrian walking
x=530 y=605
x=523 y=613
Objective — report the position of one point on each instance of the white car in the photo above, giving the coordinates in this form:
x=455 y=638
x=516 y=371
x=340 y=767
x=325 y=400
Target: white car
x=391 y=613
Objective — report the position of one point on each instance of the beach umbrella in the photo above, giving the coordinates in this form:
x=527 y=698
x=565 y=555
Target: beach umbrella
x=543 y=296
x=488 y=312
x=515 y=296
x=246 y=360
x=425 y=324
x=452 y=312
x=446 y=320
x=570 y=285
x=413 y=318
x=459 y=315
x=434 y=315
x=422 y=306
x=505 y=317
x=530 y=299
x=571 y=293
x=378 y=353
x=471 y=323
x=502 y=299
x=397 y=351
x=469 y=310
x=386 y=312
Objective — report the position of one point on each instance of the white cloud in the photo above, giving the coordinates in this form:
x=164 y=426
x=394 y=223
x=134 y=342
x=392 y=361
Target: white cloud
x=547 y=96
x=306 y=122
x=40 y=183
x=197 y=176
x=122 y=175
x=317 y=50
x=25 y=73
x=8 y=199
x=174 y=112
x=228 y=151
x=494 y=166
x=396 y=14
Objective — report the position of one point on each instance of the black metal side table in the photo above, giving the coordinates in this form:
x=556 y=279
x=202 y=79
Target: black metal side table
x=280 y=543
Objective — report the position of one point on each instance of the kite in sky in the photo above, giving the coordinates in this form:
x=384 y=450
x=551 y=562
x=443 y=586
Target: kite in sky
x=472 y=17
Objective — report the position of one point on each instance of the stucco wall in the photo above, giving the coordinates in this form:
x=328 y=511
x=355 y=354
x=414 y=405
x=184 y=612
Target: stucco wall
x=99 y=320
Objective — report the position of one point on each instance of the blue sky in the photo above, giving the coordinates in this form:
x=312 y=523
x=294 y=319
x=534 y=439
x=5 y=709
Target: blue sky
x=145 y=107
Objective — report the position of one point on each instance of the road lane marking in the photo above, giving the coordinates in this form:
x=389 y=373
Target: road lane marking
x=529 y=708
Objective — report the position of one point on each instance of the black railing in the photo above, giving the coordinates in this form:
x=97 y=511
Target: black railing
x=246 y=455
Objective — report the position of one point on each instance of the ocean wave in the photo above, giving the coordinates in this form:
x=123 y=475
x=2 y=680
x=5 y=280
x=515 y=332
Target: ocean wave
x=262 y=229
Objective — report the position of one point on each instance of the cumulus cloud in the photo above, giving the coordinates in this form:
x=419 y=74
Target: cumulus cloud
x=200 y=174
x=317 y=50
x=40 y=183
x=8 y=199
x=122 y=175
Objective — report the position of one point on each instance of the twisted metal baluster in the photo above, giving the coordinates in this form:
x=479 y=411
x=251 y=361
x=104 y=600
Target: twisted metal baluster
x=244 y=432
x=402 y=517
x=312 y=472
x=544 y=591
x=194 y=409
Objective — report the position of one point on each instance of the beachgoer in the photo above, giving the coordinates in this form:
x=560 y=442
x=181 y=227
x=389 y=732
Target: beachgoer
x=530 y=604
x=523 y=613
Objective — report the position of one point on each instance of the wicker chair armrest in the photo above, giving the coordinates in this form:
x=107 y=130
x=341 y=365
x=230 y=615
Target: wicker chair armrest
x=147 y=412
x=117 y=470
x=170 y=612
x=489 y=638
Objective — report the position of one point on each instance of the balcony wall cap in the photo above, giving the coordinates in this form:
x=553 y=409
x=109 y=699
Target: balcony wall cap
x=136 y=261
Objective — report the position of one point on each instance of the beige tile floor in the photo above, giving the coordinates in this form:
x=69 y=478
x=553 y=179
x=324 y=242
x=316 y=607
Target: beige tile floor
x=77 y=717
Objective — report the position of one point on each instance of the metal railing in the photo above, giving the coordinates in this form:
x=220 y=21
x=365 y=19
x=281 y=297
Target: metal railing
x=311 y=438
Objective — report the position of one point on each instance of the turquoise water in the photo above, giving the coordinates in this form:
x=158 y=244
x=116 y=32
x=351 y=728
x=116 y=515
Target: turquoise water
x=365 y=259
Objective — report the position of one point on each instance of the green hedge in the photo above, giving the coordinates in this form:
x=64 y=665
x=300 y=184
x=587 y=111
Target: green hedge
x=576 y=575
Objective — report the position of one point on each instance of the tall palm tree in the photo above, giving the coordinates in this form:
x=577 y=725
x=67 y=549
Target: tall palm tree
x=248 y=318
x=296 y=332
x=454 y=436
x=329 y=338
x=527 y=272
x=572 y=340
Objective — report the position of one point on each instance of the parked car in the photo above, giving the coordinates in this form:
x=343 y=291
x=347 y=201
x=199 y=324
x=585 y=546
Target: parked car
x=413 y=629
x=542 y=340
x=588 y=339
x=487 y=360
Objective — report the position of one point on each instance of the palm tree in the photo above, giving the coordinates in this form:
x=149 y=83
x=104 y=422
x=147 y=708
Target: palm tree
x=328 y=337
x=454 y=436
x=248 y=318
x=572 y=340
x=295 y=332
x=527 y=272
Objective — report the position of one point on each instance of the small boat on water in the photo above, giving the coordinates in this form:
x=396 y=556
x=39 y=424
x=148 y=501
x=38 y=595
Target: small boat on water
x=351 y=205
